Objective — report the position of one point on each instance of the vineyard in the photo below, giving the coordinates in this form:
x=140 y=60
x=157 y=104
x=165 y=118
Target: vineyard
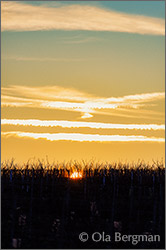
x=47 y=205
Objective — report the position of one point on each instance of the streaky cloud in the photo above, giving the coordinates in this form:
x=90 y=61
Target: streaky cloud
x=47 y=92
x=63 y=93
x=61 y=98
x=77 y=124
x=25 y=17
x=83 y=137
x=44 y=59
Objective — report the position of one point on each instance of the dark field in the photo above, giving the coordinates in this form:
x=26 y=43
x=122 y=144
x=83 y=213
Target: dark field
x=42 y=207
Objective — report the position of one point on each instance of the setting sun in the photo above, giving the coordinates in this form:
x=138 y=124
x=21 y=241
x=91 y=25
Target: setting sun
x=76 y=175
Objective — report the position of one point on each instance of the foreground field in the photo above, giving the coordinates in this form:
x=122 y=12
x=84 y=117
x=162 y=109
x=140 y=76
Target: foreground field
x=49 y=206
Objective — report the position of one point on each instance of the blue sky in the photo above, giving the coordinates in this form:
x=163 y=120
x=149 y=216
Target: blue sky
x=149 y=8
x=103 y=63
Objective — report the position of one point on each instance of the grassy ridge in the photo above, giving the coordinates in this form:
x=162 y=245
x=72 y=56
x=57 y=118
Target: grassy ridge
x=42 y=207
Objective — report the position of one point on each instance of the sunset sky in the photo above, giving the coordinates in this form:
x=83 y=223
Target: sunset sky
x=83 y=80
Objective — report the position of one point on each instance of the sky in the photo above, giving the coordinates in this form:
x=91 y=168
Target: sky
x=83 y=80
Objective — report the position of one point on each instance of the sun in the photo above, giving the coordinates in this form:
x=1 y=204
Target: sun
x=76 y=175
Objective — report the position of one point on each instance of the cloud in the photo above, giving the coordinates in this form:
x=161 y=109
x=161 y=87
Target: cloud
x=45 y=59
x=74 y=124
x=137 y=98
x=16 y=104
x=63 y=93
x=84 y=137
x=86 y=115
x=48 y=93
x=60 y=98
x=83 y=40
x=25 y=17
x=79 y=106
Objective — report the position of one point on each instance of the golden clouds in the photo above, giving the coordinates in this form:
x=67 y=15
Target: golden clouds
x=84 y=137
x=25 y=17
x=76 y=124
x=54 y=97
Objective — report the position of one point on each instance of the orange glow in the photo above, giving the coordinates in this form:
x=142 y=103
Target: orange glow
x=76 y=175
